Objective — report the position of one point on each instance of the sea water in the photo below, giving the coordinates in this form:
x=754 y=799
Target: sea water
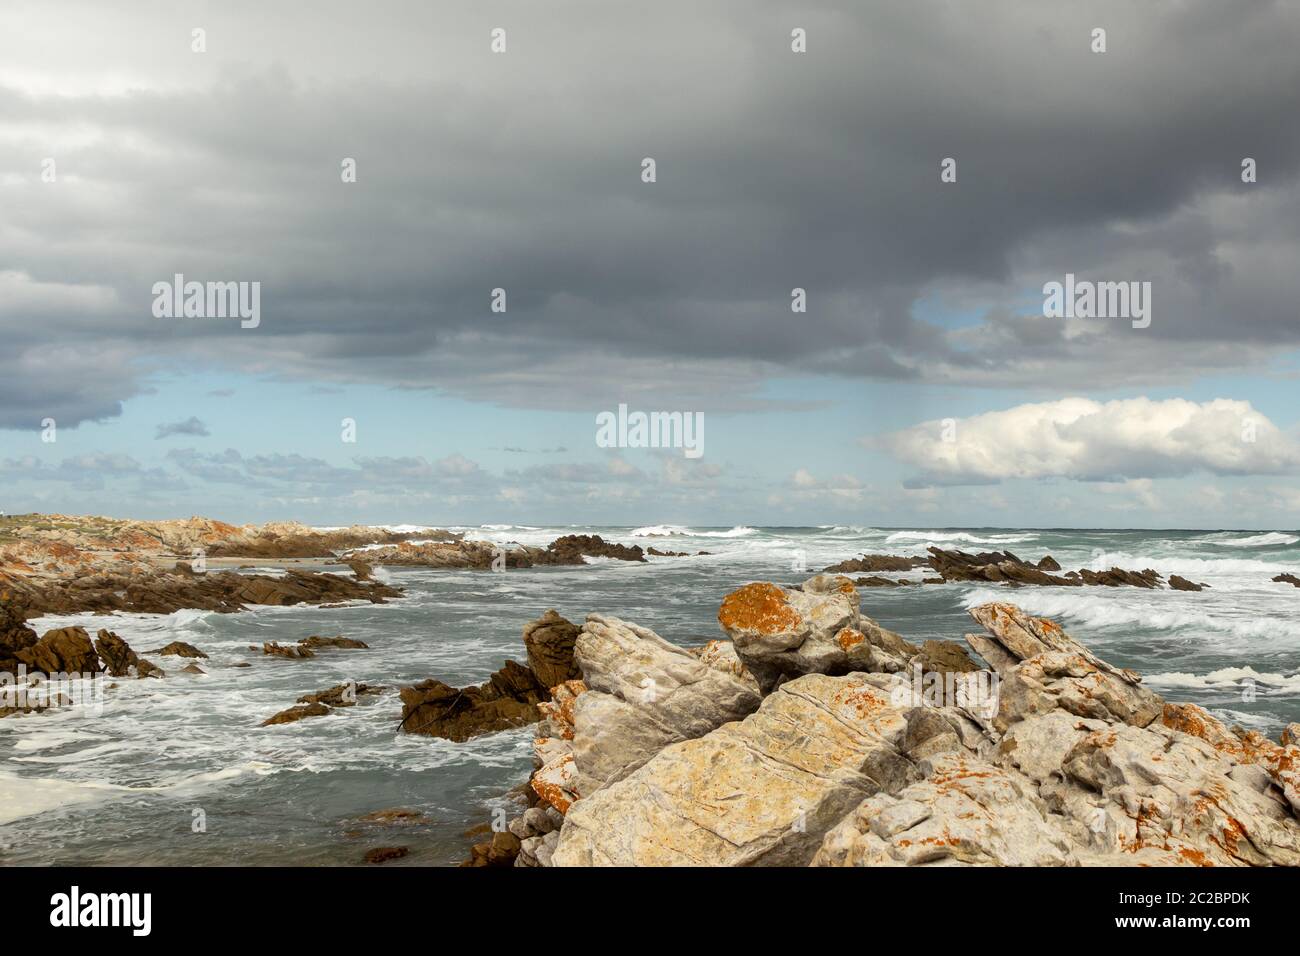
x=178 y=771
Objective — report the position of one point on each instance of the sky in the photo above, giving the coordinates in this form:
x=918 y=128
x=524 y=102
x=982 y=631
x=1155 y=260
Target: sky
x=382 y=382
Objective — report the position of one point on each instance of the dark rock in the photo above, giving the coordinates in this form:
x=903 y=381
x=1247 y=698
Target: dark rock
x=878 y=562
x=549 y=641
x=180 y=649
x=317 y=642
x=67 y=650
x=508 y=699
x=120 y=661
x=295 y=713
x=1182 y=584
x=341 y=695
x=289 y=651
x=382 y=854
x=1048 y=563
x=1288 y=578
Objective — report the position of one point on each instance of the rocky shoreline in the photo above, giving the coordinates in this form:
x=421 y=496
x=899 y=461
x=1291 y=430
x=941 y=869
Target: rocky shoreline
x=59 y=564
x=813 y=736
x=807 y=734
x=1001 y=567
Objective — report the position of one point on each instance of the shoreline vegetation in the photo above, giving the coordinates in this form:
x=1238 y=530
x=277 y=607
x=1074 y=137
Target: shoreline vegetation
x=806 y=734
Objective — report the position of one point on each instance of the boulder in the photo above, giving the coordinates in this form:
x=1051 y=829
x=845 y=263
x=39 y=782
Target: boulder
x=289 y=651
x=180 y=649
x=120 y=661
x=644 y=693
x=67 y=650
x=296 y=713
x=549 y=641
x=316 y=642
x=818 y=628
x=1040 y=668
x=966 y=812
x=763 y=790
x=1182 y=584
x=509 y=698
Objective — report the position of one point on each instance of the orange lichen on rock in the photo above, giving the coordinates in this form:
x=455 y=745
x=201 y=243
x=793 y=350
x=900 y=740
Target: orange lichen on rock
x=848 y=638
x=761 y=607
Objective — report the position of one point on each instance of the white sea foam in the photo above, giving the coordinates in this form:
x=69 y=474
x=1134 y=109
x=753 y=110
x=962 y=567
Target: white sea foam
x=671 y=530
x=961 y=537
x=1138 y=609
x=1272 y=539
x=1226 y=677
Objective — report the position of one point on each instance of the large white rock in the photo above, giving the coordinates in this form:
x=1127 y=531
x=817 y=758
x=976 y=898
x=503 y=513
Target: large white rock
x=966 y=812
x=644 y=693
x=761 y=791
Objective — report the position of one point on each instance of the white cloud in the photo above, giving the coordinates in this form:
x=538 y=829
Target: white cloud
x=1082 y=439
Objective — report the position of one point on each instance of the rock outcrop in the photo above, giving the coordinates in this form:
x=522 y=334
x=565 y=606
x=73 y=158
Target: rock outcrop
x=1076 y=764
x=817 y=629
x=509 y=698
x=482 y=555
x=120 y=661
x=644 y=693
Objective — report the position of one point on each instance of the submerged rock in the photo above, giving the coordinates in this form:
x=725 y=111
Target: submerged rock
x=315 y=642
x=180 y=649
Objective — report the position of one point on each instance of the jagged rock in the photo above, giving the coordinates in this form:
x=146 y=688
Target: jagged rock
x=877 y=562
x=1041 y=667
x=1005 y=567
x=1118 y=577
x=1182 y=584
x=501 y=850
x=290 y=651
x=509 y=698
x=295 y=713
x=1288 y=578
x=180 y=649
x=549 y=641
x=644 y=693
x=1080 y=766
x=570 y=548
x=119 y=660
x=340 y=695
x=362 y=570
x=67 y=650
x=759 y=791
x=965 y=812
x=316 y=642
x=192 y=669
x=817 y=629
x=482 y=555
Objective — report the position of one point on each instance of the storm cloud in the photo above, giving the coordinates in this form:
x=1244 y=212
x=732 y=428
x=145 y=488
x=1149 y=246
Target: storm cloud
x=521 y=171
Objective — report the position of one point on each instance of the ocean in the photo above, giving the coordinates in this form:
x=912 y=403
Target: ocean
x=178 y=771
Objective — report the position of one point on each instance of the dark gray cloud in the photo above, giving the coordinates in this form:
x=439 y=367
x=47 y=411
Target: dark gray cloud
x=521 y=171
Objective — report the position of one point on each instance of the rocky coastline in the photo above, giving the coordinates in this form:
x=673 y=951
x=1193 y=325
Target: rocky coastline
x=805 y=734
x=812 y=736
